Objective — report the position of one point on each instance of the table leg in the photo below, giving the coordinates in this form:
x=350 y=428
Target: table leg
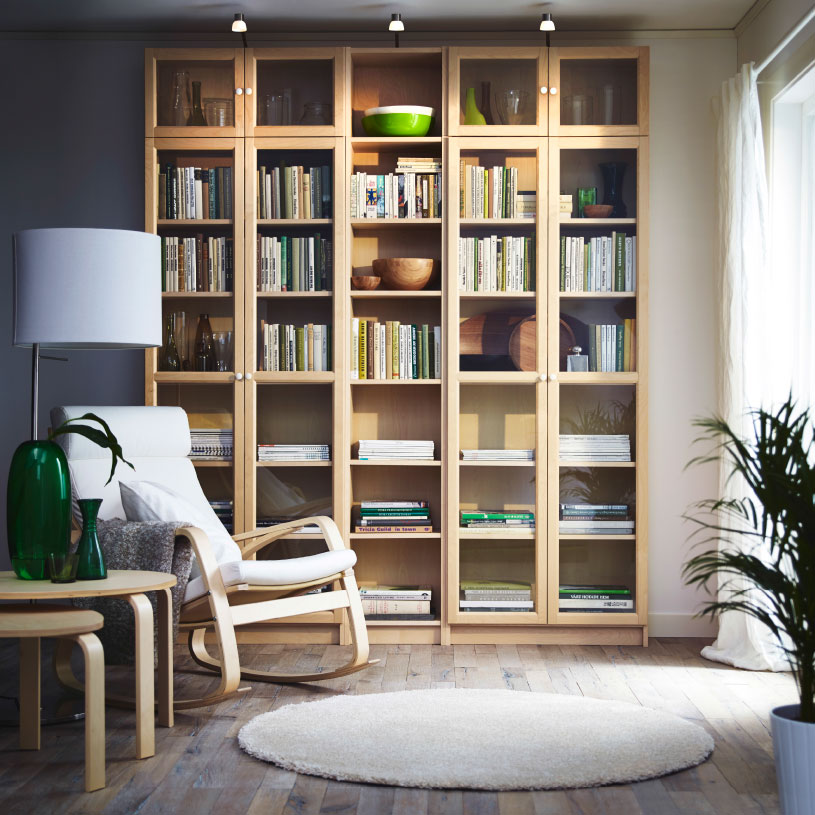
x=30 y=693
x=165 y=658
x=145 y=691
x=94 y=711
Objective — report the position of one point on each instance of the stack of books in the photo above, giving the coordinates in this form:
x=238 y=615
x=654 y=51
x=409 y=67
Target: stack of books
x=294 y=452
x=394 y=350
x=497 y=455
x=495 y=595
x=595 y=448
x=196 y=264
x=596 y=519
x=496 y=263
x=406 y=193
x=394 y=517
x=210 y=444
x=267 y=521
x=383 y=449
x=194 y=192
x=612 y=348
x=294 y=192
x=493 y=193
x=606 y=263
x=396 y=602
x=497 y=519
x=293 y=264
x=594 y=599
x=295 y=347
x=418 y=164
x=223 y=509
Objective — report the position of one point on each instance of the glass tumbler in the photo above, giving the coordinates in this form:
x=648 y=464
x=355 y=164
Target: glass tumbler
x=223 y=350
x=511 y=104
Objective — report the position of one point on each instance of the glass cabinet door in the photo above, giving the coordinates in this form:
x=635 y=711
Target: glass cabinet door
x=498 y=92
x=194 y=92
x=296 y=91
x=598 y=91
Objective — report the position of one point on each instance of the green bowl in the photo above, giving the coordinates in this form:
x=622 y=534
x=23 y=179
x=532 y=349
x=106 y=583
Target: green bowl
x=398 y=123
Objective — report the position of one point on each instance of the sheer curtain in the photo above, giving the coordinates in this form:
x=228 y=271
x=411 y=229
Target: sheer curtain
x=746 y=346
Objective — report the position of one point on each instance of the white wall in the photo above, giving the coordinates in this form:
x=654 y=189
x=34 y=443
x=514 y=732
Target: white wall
x=77 y=143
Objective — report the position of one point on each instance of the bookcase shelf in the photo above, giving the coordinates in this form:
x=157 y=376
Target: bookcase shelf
x=503 y=383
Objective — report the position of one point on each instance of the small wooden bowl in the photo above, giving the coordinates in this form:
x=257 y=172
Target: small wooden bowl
x=404 y=274
x=597 y=210
x=365 y=282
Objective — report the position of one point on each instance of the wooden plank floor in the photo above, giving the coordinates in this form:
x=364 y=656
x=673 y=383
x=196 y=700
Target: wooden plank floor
x=199 y=768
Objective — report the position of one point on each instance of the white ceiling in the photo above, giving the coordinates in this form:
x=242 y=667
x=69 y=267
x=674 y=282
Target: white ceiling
x=338 y=16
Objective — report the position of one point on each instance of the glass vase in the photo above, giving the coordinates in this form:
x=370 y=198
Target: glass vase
x=38 y=508
x=472 y=115
x=316 y=113
x=91 y=561
x=180 y=99
x=613 y=174
x=170 y=360
x=197 y=112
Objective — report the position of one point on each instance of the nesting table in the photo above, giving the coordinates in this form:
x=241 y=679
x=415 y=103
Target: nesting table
x=129 y=585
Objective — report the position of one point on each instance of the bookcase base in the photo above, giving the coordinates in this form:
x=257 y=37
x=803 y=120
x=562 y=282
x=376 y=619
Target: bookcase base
x=548 y=635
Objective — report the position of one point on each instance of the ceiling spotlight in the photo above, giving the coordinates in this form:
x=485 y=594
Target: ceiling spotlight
x=547 y=23
x=239 y=24
x=396 y=23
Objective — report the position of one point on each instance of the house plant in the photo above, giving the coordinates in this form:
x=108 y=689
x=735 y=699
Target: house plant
x=763 y=554
x=38 y=497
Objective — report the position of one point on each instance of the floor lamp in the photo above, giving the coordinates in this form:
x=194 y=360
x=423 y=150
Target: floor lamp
x=73 y=289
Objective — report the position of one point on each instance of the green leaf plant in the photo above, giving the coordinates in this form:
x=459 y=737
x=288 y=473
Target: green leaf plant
x=761 y=548
x=104 y=438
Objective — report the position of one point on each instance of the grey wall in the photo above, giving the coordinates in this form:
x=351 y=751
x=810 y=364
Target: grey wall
x=72 y=151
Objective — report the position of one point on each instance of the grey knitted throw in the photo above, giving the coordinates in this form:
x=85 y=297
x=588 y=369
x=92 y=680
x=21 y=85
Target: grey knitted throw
x=151 y=546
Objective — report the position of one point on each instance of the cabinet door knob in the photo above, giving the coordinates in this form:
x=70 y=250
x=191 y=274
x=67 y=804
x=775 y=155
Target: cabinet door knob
x=238 y=91
x=553 y=91
x=544 y=89
x=248 y=91
x=239 y=376
x=543 y=377
x=248 y=375
x=553 y=377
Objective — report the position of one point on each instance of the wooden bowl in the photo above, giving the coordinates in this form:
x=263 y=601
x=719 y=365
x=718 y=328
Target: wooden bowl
x=404 y=274
x=597 y=210
x=365 y=282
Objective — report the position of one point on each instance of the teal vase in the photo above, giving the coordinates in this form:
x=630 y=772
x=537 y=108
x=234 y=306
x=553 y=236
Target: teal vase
x=38 y=507
x=90 y=560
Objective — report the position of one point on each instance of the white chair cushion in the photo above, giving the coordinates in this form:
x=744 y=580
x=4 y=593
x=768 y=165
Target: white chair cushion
x=148 y=501
x=277 y=572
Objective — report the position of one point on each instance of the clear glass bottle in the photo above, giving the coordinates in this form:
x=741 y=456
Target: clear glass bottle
x=180 y=106
x=204 y=345
x=197 y=112
x=170 y=360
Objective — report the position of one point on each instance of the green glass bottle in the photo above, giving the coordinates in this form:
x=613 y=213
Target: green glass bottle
x=197 y=112
x=91 y=561
x=472 y=115
x=38 y=507
x=170 y=360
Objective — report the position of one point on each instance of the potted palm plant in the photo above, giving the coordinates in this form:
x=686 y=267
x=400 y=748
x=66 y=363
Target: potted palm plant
x=761 y=549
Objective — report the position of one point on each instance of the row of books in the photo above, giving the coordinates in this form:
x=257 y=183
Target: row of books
x=396 y=195
x=604 y=263
x=596 y=519
x=294 y=192
x=196 y=263
x=493 y=193
x=293 y=264
x=225 y=513
x=394 y=517
x=287 y=347
x=294 y=452
x=267 y=521
x=194 y=192
x=612 y=348
x=496 y=263
x=384 y=449
x=604 y=447
x=396 y=602
x=393 y=350
x=210 y=443
x=497 y=519
x=497 y=455
x=495 y=596
x=595 y=599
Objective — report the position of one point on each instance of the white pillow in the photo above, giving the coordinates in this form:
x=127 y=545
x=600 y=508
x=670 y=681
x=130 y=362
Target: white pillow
x=148 y=501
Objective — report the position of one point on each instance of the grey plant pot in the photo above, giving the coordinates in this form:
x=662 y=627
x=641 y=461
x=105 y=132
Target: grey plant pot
x=794 y=748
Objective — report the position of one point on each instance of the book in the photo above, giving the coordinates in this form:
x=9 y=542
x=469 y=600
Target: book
x=610 y=604
x=371 y=605
x=391 y=350
x=387 y=592
x=489 y=585
x=287 y=347
x=498 y=264
x=496 y=515
x=598 y=263
x=495 y=603
x=497 y=455
x=401 y=617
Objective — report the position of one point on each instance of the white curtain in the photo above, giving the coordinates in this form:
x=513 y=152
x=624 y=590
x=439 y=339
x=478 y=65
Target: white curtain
x=744 y=336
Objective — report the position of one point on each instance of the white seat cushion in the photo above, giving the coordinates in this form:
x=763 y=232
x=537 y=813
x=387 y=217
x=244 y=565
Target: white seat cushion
x=277 y=572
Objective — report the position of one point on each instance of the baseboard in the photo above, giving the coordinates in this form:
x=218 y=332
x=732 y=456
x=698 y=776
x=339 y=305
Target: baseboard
x=680 y=625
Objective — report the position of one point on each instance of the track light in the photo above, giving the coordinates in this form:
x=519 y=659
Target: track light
x=547 y=23
x=396 y=23
x=239 y=24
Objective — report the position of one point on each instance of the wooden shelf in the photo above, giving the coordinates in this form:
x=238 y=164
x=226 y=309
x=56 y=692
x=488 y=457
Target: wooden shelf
x=403 y=623
x=306 y=222
x=590 y=223
x=287 y=294
x=597 y=537
x=293 y=377
x=381 y=294
x=498 y=377
x=497 y=295
x=488 y=534
x=396 y=381
x=395 y=535
x=198 y=377
x=395 y=462
x=276 y=464
x=206 y=463
x=596 y=295
x=361 y=224
x=497 y=221
x=497 y=463
x=608 y=618
x=383 y=143
x=590 y=463
x=195 y=222
x=592 y=378
x=190 y=295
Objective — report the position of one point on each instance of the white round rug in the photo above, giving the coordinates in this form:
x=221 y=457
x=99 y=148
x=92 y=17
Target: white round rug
x=476 y=739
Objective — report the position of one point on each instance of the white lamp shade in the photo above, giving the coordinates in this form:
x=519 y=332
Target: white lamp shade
x=87 y=288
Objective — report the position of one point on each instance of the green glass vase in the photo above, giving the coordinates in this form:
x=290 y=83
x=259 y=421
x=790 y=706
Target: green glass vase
x=91 y=561
x=38 y=508
x=472 y=115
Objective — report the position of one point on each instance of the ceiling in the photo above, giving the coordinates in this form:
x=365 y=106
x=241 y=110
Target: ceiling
x=347 y=16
